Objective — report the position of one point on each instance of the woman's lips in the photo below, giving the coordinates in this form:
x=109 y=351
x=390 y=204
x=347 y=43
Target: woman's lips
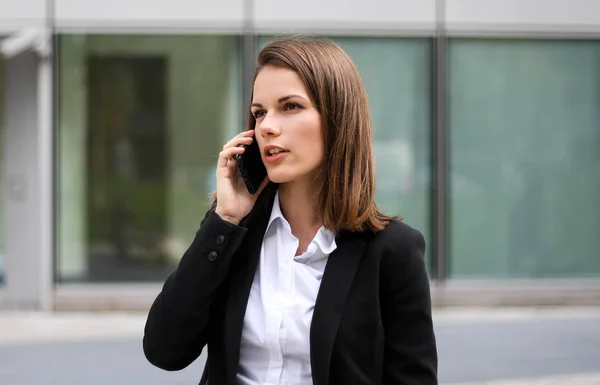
x=276 y=157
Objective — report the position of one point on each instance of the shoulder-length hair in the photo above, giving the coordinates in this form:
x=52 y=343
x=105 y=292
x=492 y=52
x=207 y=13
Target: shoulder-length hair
x=346 y=192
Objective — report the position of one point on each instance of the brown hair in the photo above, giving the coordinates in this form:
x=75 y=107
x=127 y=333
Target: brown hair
x=346 y=195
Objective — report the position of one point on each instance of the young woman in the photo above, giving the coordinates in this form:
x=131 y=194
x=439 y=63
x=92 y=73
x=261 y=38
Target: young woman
x=306 y=281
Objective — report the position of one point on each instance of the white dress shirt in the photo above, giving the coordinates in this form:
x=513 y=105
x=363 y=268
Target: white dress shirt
x=275 y=347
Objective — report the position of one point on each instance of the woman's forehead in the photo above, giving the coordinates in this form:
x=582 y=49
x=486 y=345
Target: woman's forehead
x=277 y=82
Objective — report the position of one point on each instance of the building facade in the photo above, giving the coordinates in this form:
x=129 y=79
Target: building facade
x=486 y=117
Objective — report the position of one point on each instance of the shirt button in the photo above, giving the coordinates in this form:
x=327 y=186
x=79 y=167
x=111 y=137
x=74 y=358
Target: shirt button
x=212 y=256
x=220 y=239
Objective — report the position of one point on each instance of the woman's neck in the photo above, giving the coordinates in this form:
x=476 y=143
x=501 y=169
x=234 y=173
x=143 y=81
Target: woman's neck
x=299 y=208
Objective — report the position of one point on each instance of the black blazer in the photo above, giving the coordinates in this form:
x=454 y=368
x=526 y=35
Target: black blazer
x=372 y=318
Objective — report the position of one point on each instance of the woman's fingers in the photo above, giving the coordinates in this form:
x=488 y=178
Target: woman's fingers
x=245 y=137
x=234 y=147
x=229 y=154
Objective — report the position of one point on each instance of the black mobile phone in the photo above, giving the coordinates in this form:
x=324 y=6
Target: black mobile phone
x=251 y=167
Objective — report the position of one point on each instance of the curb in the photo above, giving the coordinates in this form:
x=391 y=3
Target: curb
x=571 y=379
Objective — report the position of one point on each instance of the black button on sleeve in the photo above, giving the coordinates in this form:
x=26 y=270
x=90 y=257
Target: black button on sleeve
x=220 y=239
x=212 y=256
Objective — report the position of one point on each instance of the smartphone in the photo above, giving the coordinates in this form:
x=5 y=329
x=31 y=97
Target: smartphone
x=251 y=167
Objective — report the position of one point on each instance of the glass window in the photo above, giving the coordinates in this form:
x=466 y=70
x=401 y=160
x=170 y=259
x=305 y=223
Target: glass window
x=141 y=122
x=397 y=75
x=525 y=158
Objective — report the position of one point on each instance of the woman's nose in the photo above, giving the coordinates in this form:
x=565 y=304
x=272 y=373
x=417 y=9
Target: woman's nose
x=269 y=125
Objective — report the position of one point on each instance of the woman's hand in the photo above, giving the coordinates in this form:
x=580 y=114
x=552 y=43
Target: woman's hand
x=234 y=201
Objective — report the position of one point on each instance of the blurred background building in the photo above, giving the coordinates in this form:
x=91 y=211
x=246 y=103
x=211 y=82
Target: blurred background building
x=486 y=119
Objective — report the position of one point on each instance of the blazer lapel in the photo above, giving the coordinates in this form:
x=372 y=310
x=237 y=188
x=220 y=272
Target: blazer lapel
x=241 y=278
x=335 y=286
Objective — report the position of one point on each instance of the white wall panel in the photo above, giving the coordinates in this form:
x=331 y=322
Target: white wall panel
x=523 y=15
x=18 y=14
x=344 y=15
x=26 y=206
x=149 y=13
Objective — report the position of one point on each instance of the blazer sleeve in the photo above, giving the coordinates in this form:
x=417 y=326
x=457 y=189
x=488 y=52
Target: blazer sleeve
x=410 y=353
x=177 y=323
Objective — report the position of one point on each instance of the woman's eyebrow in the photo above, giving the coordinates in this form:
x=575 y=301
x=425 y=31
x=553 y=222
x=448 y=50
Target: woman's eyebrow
x=280 y=100
x=284 y=98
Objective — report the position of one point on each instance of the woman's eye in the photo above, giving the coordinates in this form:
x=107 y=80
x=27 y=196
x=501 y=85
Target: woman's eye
x=291 y=106
x=258 y=114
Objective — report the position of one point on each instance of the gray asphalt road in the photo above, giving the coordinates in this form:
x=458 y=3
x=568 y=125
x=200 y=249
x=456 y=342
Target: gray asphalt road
x=478 y=352
x=468 y=352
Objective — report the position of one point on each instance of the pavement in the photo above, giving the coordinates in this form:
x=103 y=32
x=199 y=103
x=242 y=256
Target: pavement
x=476 y=346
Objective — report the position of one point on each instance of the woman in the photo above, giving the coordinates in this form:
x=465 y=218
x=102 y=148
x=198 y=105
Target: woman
x=305 y=282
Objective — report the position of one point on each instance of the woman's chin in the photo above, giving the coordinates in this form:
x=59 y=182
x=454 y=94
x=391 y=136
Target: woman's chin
x=279 y=180
x=280 y=177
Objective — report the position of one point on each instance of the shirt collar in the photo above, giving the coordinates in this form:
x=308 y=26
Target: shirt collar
x=325 y=238
x=276 y=212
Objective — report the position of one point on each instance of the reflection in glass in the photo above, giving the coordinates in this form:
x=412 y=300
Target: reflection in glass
x=399 y=90
x=142 y=119
x=127 y=158
x=525 y=158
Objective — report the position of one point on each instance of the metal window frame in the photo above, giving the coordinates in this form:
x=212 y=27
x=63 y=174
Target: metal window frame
x=47 y=166
x=540 y=292
x=249 y=43
x=445 y=291
x=439 y=150
x=3 y=283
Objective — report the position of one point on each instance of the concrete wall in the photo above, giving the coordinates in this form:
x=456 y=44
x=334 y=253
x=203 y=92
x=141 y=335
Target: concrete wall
x=523 y=15
x=393 y=16
x=26 y=171
x=149 y=13
x=15 y=15
x=339 y=15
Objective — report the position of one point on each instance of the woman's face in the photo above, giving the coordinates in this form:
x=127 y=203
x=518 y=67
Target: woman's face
x=288 y=126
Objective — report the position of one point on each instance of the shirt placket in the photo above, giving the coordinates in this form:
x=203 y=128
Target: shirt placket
x=287 y=301
x=276 y=330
